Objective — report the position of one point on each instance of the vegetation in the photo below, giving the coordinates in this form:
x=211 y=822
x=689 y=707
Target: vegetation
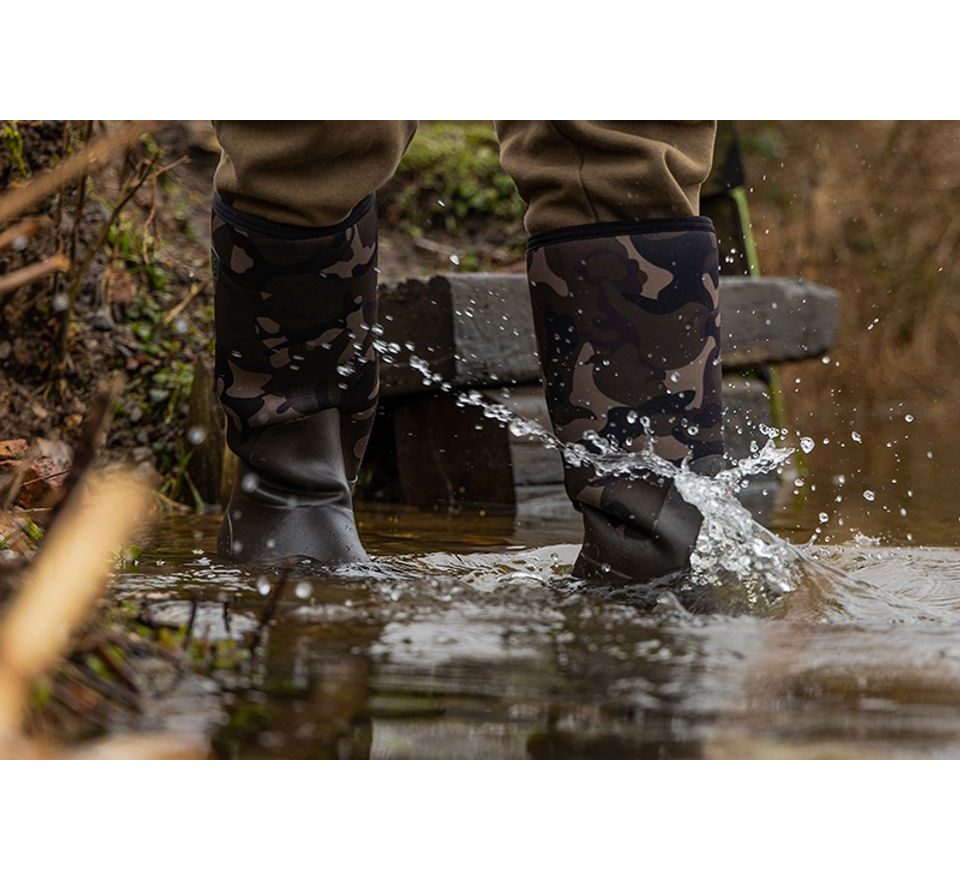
x=450 y=179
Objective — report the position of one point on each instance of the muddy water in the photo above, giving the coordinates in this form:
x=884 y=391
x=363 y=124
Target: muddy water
x=465 y=639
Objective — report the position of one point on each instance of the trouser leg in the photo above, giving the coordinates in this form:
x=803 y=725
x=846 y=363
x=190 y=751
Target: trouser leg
x=623 y=278
x=572 y=173
x=306 y=173
x=294 y=257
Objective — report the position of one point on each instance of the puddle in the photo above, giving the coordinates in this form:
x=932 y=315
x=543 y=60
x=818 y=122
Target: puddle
x=464 y=639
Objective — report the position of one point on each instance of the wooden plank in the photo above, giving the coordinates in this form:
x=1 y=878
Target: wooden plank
x=476 y=330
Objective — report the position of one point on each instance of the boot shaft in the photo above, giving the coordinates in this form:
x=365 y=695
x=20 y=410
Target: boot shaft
x=628 y=327
x=296 y=310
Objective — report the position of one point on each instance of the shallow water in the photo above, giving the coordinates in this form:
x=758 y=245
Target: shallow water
x=465 y=639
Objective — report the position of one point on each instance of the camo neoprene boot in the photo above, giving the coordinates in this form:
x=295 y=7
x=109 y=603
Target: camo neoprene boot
x=297 y=375
x=628 y=327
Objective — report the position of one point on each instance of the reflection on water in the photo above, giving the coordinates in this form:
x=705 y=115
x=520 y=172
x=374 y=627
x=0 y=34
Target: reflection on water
x=465 y=638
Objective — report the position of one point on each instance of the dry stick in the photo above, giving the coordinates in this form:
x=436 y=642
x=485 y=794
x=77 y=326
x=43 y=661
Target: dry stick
x=78 y=210
x=195 y=288
x=92 y=251
x=70 y=572
x=270 y=608
x=81 y=202
x=188 y=634
x=48 y=182
x=140 y=747
x=93 y=434
x=29 y=274
x=16 y=481
x=22 y=231
x=151 y=217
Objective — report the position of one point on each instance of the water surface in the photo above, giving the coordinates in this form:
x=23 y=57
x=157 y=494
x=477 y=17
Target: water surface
x=465 y=639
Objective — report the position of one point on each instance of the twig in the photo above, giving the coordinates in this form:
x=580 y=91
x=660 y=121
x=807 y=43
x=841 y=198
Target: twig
x=48 y=182
x=188 y=634
x=434 y=247
x=92 y=251
x=93 y=434
x=22 y=231
x=195 y=288
x=46 y=477
x=81 y=201
x=151 y=216
x=16 y=481
x=142 y=746
x=270 y=608
x=29 y=274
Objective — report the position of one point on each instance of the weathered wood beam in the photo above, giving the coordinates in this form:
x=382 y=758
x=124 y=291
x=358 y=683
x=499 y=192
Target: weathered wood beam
x=476 y=330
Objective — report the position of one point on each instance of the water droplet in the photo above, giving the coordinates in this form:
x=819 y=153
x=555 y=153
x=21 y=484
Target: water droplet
x=807 y=444
x=263 y=585
x=249 y=482
x=823 y=518
x=856 y=437
x=303 y=590
x=196 y=435
x=908 y=418
x=869 y=495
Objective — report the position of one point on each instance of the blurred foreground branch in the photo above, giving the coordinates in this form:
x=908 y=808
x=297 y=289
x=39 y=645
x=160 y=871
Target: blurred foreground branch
x=68 y=576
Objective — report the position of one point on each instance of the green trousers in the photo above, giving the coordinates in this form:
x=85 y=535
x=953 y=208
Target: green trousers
x=568 y=173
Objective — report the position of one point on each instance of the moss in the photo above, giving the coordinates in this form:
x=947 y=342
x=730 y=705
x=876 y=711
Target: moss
x=13 y=144
x=451 y=179
x=33 y=532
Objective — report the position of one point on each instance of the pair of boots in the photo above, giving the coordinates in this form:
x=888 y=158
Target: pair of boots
x=627 y=325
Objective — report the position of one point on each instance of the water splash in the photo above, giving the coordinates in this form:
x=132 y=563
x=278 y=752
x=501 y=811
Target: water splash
x=733 y=549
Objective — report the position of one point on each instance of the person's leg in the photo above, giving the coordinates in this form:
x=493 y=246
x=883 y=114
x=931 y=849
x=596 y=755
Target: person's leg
x=623 y=278
x=294 y=261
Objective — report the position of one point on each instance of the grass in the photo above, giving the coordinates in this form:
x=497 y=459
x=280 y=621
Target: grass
x=451 y=180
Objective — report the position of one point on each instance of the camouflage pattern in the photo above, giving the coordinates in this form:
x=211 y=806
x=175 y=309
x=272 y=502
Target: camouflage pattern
x=295 y=319
x=628 y=328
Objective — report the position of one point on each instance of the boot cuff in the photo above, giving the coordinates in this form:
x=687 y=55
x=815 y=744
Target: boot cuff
x=251 y=223
x=631 y=227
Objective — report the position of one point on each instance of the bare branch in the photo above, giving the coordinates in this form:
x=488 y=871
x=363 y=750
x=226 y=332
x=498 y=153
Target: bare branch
x=49 y=181
x=14 y=280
